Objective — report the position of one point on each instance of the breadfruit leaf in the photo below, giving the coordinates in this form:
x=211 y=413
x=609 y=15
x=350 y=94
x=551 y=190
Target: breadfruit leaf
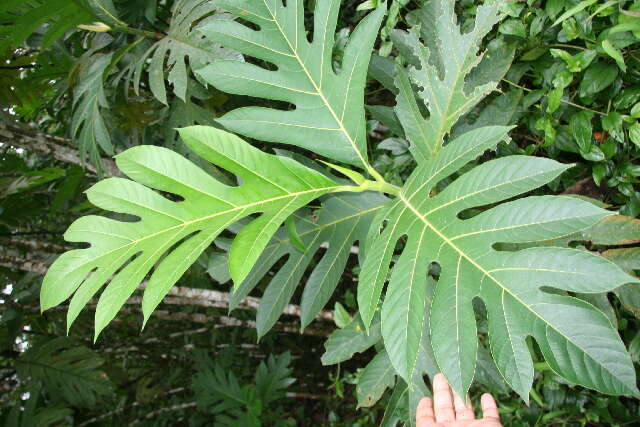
x=329 y=115
x=171 y=234
x=577 y=341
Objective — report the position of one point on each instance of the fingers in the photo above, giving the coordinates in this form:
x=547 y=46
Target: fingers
x=442 y=400
x=424 y=414
x=489 y=407
x=448 y=406
x=463 y=412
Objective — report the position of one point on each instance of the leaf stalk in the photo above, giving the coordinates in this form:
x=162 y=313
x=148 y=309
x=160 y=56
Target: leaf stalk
x=137 y=31
x=382 y=187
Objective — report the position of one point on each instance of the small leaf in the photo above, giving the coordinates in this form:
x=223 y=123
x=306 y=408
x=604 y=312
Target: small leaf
x=367 y=5
x=577 y=62
x=383 y=70
x=612 y=123
x=290 y=225
x=397 y=406
x=340 y=315
x=582 y=130
x=353 y=338
x=634 y=134
x=377 y=376
x=598 y=77
x=594 y=154
x=572 y=11
x=397 y=146
x=613 y=52
x=513 y=27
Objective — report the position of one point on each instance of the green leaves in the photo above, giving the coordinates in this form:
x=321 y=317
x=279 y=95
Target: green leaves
x=169 y=234
x=343 y=220
x=446 y=231
x=378 y=375
x=597 y=78
x=343 y=343
x=577 y=62
x=446 y=71
x=182 y=41
x=20 y=19
x=509 y=283
x=88 y=125
x=328 y=118
x=220 y=393
x=614 y=53
x=426 y=223
x=582 y=130
x=68 y=370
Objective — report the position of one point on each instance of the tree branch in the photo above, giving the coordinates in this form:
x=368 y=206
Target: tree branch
x=49 y=145
x=32 y=245
x=177 y=295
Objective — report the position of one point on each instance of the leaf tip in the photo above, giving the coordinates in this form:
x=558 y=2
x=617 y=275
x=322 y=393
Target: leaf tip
x=145 y=318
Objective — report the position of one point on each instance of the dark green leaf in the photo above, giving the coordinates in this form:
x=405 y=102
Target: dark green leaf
x=597 y=78
x=353 y=338
x=377 y=376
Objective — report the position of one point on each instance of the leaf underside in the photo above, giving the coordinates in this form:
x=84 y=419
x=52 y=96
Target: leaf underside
x=509 y=283
x=577 y=340
x=323 y=121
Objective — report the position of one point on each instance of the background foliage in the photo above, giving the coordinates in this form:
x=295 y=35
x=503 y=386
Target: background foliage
x=71 y=97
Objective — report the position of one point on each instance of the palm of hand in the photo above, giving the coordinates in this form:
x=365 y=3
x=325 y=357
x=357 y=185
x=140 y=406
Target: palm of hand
x=451 y=411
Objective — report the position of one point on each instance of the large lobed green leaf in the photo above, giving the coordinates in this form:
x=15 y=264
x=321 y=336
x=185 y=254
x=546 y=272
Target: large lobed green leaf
x=169 y=234
x=577 y=340
x=329 y=114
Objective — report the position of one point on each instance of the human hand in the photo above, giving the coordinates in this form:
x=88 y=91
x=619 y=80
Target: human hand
x=450 y=410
